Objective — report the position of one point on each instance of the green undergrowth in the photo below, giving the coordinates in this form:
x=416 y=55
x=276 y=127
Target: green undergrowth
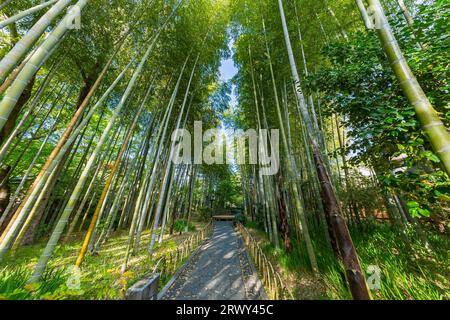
x=407 y=270
x=183 y=225
x=100 y=275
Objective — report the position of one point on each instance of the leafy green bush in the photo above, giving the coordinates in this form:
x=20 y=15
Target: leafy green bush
x=408 y=271
x=240 y=218
x=357 y=83
x=205 y=213
x=252 y=225
x=183 y=226
x=13 y=285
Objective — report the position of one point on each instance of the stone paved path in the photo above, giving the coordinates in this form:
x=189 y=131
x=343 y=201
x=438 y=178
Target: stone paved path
x=219 y=271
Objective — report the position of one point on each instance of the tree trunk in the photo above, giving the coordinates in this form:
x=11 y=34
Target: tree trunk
x=33 y=65
x=5 y=190
x=25 y=13
x=283 y=217
x=354 y=273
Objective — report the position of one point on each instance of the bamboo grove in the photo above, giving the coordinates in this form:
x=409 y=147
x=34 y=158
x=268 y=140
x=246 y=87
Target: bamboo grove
x=91 y=92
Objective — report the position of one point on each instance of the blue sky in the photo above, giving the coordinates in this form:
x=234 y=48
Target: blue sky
x=227 y=71
x=227 y=68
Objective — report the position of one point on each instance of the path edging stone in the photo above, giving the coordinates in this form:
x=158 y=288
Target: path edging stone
x=255 y=275
x=145 y=289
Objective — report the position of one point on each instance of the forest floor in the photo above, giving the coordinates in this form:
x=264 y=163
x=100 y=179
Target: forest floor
x=100 y=273
x=407 y=270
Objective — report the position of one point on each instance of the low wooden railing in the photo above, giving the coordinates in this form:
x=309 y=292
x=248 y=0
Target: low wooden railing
x=271 y=279
x=168 y=262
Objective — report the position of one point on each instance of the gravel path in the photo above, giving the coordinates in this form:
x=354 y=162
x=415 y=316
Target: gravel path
x=217 y=271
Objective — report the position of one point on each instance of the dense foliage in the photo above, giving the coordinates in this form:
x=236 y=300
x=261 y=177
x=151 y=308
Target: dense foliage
x=86 y=145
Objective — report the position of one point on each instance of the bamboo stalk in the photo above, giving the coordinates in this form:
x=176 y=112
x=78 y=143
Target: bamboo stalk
x=427 y=115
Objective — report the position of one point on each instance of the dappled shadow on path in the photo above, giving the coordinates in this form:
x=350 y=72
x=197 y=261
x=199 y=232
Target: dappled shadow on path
x=215 y=272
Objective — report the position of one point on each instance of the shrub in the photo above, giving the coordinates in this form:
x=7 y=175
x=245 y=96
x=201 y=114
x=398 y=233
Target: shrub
x=183 y=225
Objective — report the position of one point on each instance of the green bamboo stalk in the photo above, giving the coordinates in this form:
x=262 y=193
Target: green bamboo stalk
x=31 y=208
x=107 y=158
x=32 y=66
x=6 y=145
x=427 y=115
x=269 y=194
x=37 y=194
x=292 y=166
x=4 y=4
x=25 y=13
x=89 y=189
x=167 y=202
x=341 y=29
x=409 y=19
x=141 y=205
x=164 y=183
x=27 y=173
x=146 y=186
x=13 y=57
x=36 y=131
x=43 y=260
x=354 y=273
x=108 y=186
